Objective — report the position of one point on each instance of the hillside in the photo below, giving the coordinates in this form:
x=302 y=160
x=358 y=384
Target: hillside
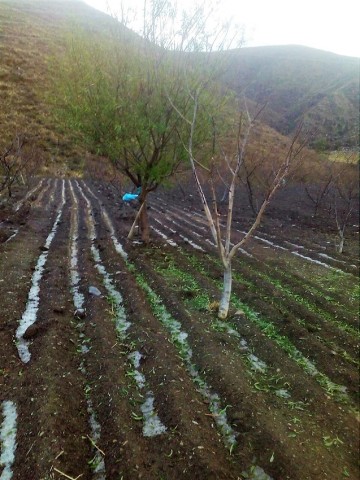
x=295 y=81
x=31 y=32
x=300 y=82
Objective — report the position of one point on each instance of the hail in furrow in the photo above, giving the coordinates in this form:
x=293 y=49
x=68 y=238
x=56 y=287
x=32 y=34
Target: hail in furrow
x=241 y=250
x=52 y=195
x=8 y=439
x=78 y=300
x=309 y=259
x=28 y=195
x=30 y=314
x=187 y=240
x=323 y=255
x=165 y=237
x=317 y=262
x=179 y=338
x=12 y=236
x=152 y=424
x=168 y=228
x=117 y=244
x=178 y=225
x=182 y=213
x=255 y=363
x=43 y=191
x=339 y=391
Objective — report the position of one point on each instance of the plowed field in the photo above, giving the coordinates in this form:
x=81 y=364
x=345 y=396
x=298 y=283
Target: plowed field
x=114 y=366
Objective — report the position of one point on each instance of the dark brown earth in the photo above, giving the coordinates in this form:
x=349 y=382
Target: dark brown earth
x=287 y=310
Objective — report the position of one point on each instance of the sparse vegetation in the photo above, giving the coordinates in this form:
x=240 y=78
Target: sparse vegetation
x=123 y=339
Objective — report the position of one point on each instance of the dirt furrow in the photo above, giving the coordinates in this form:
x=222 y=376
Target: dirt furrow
x=49 y=392
x=327 y=435
x=17 y=262
x=307 y=254
x=189 y=289
x=180 y=452
x=339 y=370
x=316 y=318
x=265 y=424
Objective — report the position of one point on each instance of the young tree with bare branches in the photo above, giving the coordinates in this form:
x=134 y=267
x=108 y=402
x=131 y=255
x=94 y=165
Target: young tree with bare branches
x=14 y=162
x=222 y=233
x=344 y=198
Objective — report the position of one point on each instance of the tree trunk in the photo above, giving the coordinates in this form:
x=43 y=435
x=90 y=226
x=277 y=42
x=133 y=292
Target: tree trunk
x=340 y=248
x=226 y=293
x=144 y=224
x=132 y=229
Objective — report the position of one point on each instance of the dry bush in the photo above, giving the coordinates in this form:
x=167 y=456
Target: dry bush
x=19 y=161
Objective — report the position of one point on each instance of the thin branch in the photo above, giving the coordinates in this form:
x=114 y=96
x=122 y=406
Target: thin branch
x=132 y=229
x=67 y=476
x=94 y=445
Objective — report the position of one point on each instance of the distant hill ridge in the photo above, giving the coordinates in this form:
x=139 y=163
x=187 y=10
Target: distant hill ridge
x=295 y=82
x=300 y=83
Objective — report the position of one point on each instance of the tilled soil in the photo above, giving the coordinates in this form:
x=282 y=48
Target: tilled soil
x=117 y=368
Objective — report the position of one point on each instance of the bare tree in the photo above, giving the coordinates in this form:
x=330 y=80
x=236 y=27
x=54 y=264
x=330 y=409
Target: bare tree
x=222 y=234
x=345 y=197
x=318 y=183
x=13 y=164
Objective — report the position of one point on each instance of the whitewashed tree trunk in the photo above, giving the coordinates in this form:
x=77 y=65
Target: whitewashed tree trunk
x=222 y=236
x=340 y=247
x=226 y=293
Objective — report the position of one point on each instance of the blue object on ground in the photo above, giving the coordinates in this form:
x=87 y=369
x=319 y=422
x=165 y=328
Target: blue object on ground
x=128 y=197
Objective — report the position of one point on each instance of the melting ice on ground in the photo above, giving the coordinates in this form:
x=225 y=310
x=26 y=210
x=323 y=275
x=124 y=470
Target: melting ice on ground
x=8 y=439
x=152 y=423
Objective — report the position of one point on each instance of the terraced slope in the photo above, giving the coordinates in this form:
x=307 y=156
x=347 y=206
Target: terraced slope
x=112 y=364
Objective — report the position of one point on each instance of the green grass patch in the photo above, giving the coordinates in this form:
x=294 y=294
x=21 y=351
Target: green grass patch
x=333 y=390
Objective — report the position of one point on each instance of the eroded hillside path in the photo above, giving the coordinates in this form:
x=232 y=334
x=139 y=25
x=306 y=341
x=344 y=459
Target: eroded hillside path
x=111 y=367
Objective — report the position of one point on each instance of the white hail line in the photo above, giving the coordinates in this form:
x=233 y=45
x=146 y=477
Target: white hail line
x=187 y=240
x=167 y=227
x=179 y=225
x=309 y=259
x=41 y=195
x=168 y=240
x=208 y=240
x=52 y=195
x=255 y=363
x=182 y=212
x=8 y=439
x=78 y=299
x=283 y=248
x=18 y=206
x=300 y=247
x=13 y=235
x=323 y=255
x=152 y=424
x=190 y=242
x=272 y=244
x=179 y=337
x=121 y=322
x=30 y=315
x=118 y=247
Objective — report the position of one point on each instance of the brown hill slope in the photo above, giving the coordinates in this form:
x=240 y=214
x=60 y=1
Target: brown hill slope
x=300 y=83
x=33 y=30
